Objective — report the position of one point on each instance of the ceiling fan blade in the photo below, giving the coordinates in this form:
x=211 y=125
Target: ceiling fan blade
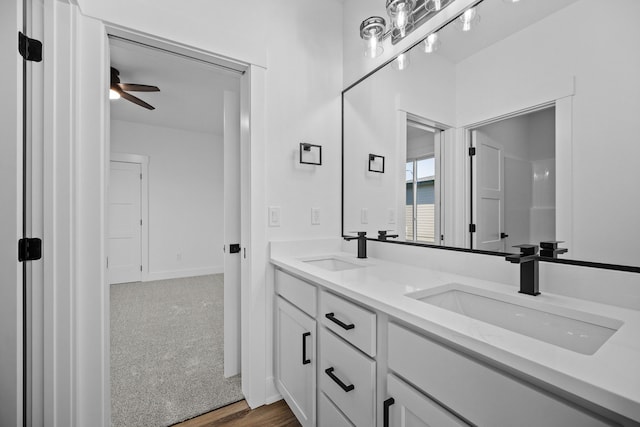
x=136 y=100
x=133 y=87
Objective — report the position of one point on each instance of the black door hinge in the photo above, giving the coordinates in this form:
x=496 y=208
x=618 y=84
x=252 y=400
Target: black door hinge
x=472 y=228
x=30 y=49
x=472 y=151
x=234 y=248
x=29 y=249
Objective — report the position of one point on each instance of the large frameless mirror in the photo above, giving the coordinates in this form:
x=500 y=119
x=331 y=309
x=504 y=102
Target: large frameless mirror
x=512 y=124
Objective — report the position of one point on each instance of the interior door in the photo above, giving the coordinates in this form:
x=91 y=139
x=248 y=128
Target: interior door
x=10 y=215
x=231 y=234
x=489 y=193
x=125 y=223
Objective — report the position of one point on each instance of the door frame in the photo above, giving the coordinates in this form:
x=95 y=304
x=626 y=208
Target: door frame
x=76 y=303
x=441 y=153
x=11 y=212
x=564 y=153
x=143 y=161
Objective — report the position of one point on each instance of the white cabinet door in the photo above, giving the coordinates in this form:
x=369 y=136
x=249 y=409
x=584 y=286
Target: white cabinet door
x=409 y=408
x=296 y=361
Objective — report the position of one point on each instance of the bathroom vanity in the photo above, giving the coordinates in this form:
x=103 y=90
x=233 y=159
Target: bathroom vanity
x=369 y=342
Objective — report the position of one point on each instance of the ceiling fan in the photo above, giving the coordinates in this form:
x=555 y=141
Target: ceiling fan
x=120 y=90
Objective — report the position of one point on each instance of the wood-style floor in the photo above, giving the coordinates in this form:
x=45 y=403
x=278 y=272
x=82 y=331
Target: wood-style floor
x=239 y=414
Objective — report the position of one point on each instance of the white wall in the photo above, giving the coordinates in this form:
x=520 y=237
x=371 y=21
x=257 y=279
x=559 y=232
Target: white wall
x=582 y=41
x=185 y=196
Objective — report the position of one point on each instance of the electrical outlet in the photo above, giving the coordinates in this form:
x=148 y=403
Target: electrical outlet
x=315 y=216
x=179 y=256
x=274 y=216
x=392 y=216
x=364 y=216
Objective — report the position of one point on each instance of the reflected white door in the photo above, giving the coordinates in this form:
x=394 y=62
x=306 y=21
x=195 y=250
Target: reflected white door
x=489 y=193
x=231 y=234
x=125 y=222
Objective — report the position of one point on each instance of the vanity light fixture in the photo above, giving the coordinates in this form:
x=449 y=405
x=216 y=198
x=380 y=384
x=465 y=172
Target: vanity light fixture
x=468 y=19
x=402 y=61
x=310 y=154
x=431 y=43
x=372 y=32
x=376 y=163
x=404 y=16
x=401 y=14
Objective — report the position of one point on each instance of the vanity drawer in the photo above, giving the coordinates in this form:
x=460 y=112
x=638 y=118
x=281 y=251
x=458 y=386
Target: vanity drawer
x=479 y=393
x=350 y=321
x=297 y=291
x=329 y=415
x=347 y=377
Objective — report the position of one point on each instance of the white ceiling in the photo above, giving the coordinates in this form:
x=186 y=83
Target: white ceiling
x=498 y=20
x=191 y=91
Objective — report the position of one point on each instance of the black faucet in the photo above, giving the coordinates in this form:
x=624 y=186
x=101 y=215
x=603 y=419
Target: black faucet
x=529 y=263
x=362 y=243
x=550 y=249
x=383 y=236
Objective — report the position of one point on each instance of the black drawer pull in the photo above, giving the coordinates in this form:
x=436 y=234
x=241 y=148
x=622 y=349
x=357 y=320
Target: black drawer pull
x=332 y=317
x=346 y=388
x=385 y=409
x=305 y=361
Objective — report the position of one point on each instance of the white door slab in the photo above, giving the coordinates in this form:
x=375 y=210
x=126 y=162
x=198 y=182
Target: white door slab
x=231 y=234
x=489 y=194
x=125 y=222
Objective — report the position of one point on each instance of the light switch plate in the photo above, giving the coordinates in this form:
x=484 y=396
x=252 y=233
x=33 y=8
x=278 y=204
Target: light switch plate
x=392 y=216
x=315 y=216
x=274 y=216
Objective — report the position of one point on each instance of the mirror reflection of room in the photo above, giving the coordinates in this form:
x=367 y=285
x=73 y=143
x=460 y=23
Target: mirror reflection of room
x=422 y=215
x=518 y=59
x=514 y=181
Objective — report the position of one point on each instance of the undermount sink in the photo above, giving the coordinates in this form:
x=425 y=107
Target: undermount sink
x=578 y=331
x=332 y=264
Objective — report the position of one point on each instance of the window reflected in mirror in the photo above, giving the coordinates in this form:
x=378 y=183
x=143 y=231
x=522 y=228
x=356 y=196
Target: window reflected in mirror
x=422 y=210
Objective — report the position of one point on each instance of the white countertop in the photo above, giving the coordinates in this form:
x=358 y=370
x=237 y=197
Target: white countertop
x=609 y=378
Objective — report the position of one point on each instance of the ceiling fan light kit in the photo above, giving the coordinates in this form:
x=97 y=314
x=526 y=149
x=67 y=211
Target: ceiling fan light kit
x=120 y=90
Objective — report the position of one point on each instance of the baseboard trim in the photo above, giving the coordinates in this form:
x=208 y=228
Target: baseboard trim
x=272 y=395
x=177 y=274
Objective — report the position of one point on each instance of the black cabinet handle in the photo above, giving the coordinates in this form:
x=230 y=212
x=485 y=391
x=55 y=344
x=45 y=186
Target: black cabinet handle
x=503 y=235
x=332 y=317
x=305 y=361
x=385 y=409
x=346 y=388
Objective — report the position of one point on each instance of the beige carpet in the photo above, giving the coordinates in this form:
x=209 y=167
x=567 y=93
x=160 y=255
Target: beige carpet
x=167 y=351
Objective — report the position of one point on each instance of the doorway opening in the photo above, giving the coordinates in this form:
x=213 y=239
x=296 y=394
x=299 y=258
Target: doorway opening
x=423 y=183
x=514 y=180
x=174 y=299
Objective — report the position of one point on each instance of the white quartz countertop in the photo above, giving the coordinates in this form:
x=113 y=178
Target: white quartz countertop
x=610 y=378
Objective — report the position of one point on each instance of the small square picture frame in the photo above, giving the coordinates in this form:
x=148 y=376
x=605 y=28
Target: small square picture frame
x=376 y=163
x=308 y=154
